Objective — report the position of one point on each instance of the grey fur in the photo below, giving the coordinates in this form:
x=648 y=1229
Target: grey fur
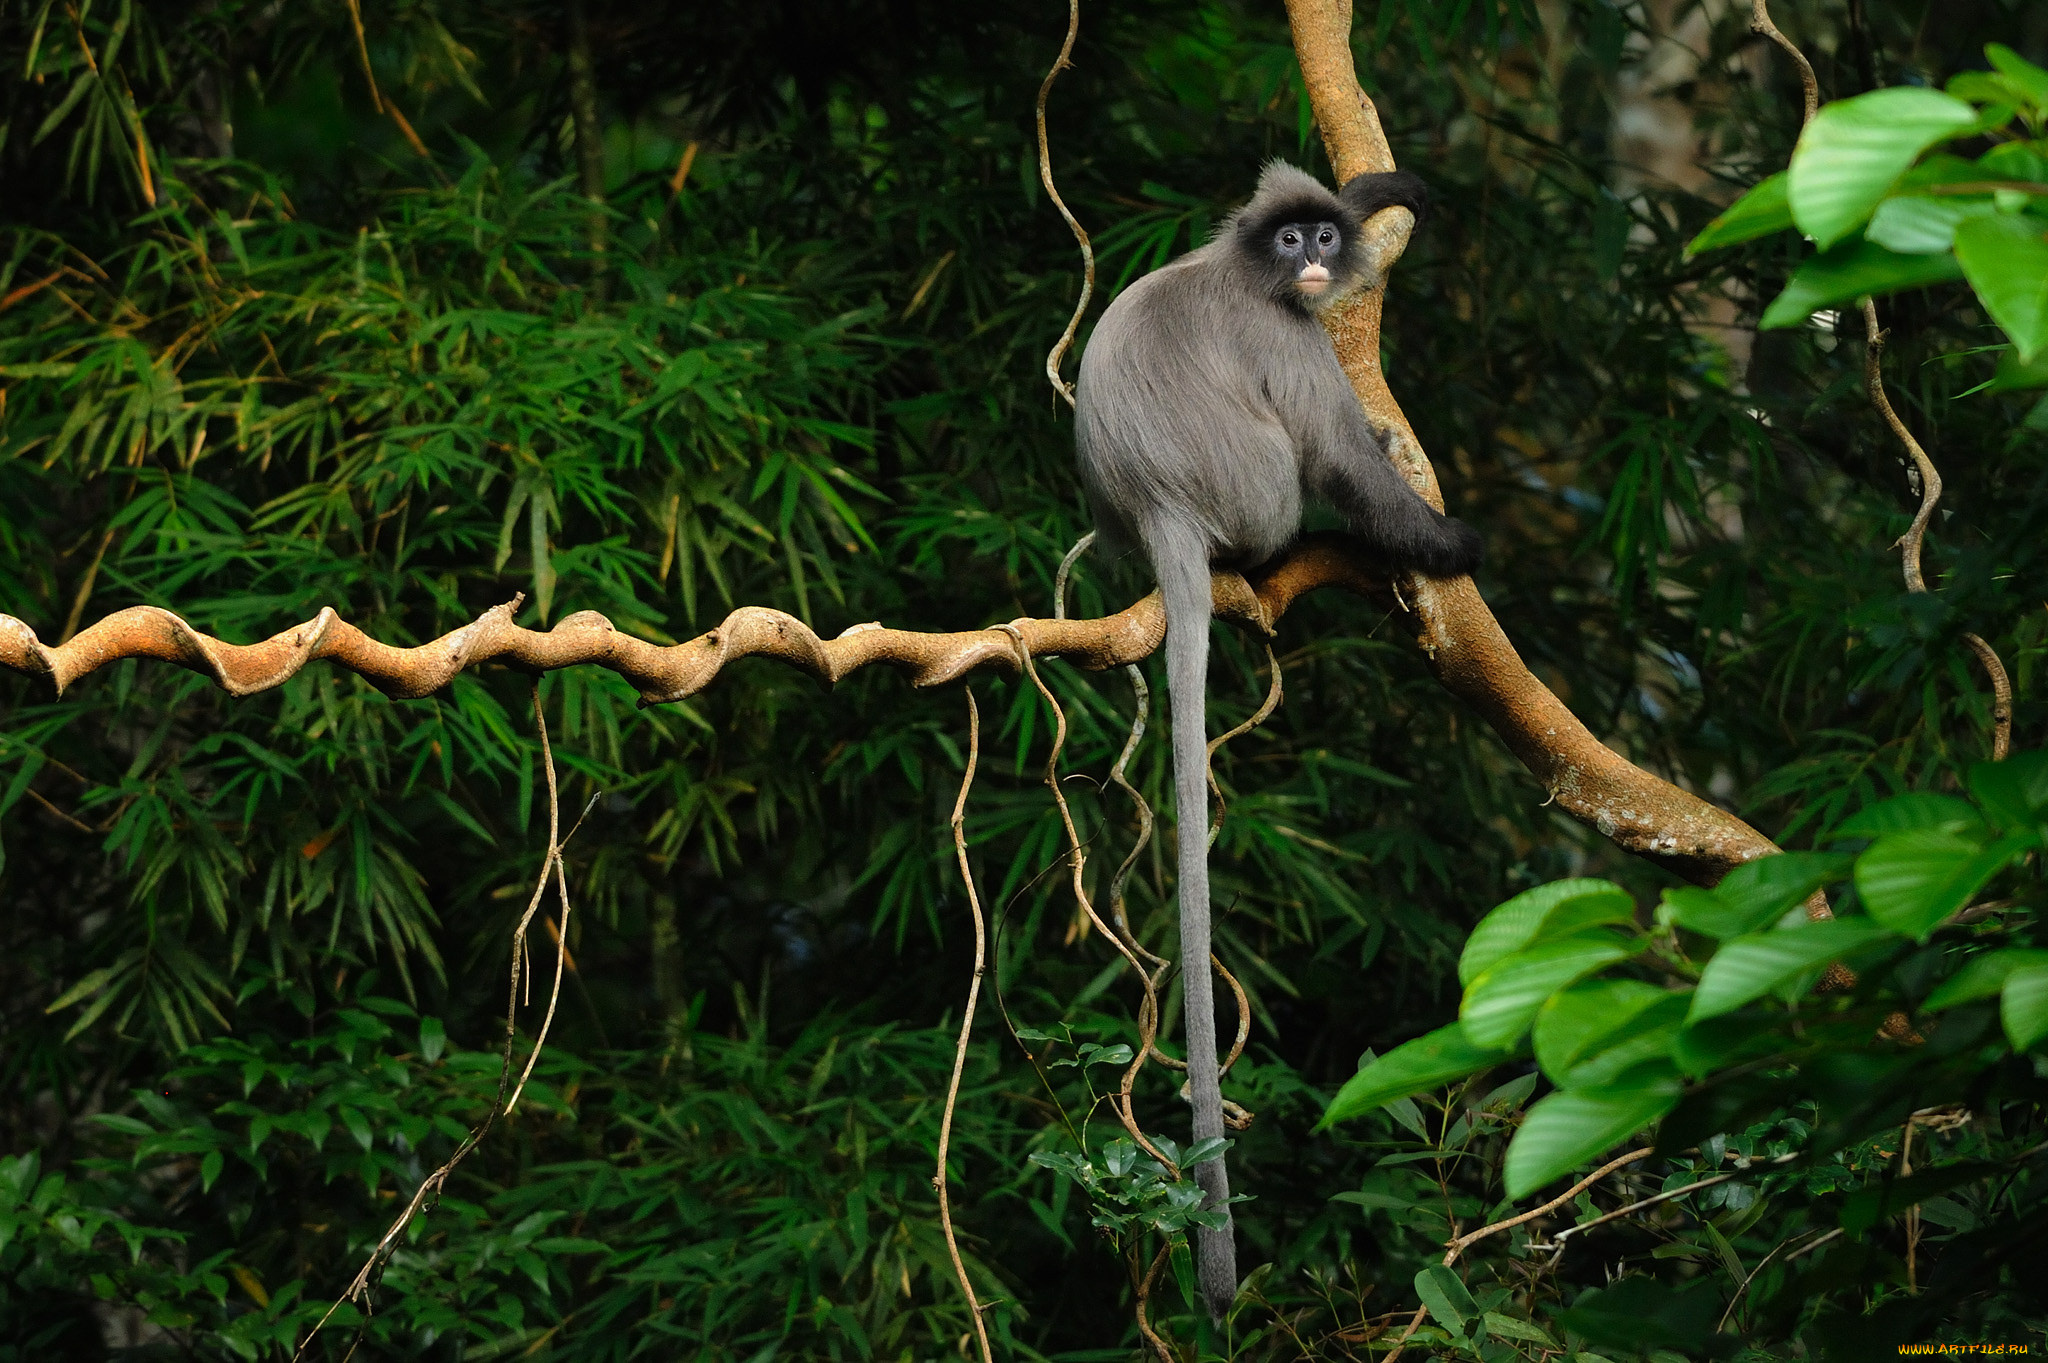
x=1210 y=400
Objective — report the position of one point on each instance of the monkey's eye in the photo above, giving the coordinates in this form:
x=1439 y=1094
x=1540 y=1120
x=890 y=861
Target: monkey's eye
x=1290 y=239
x=1327 y=238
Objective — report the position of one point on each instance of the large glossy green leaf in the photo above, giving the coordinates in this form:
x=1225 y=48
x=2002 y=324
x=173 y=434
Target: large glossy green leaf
x=1751 y=967
x=1923 y=224
x=2023 y=1007
x=1915 y=810
x=2005 y=258
x=1856 y=149
x=2014 y=161
x=1573 y=1126
x=1502 y=1002
x=1761 y=211
x=1911 y=881
x=1850 y=271
x=2023 y=76
x=1651 y=1035
x=1414 y=1067
x=2013 y=792
x=1983 y=976
x=1553 y=910
x=2013 y=375
x=1756 y=893
x=1938 y=169
x=1574 y=1024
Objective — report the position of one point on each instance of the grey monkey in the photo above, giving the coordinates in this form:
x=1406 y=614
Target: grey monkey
x=1210 y=400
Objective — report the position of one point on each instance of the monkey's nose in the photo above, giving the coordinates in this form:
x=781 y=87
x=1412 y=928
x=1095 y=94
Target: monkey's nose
x=1313 y=273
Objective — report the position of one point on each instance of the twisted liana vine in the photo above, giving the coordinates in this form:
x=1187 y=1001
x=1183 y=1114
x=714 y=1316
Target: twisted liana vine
x=939 y=1178
x=1059 y=349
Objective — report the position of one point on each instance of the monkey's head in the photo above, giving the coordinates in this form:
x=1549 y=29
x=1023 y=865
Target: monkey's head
x=1299 y=240
x=1305 y=244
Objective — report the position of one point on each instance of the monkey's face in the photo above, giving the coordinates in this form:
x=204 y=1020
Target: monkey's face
x=1310 y=253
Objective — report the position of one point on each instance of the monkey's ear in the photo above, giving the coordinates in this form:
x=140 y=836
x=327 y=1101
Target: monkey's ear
x=1367 y=194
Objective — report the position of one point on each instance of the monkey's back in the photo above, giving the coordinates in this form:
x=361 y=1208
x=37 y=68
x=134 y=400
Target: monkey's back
x=1176 y=410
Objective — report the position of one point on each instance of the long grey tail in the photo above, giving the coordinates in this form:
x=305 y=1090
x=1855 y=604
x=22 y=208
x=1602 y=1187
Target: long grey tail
x=1181 y=562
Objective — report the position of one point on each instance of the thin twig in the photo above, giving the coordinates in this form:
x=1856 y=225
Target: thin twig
x=1763 y=1263
x=1272 y=703
x=1635 y=1207
x=1464 y=1242
x=362 y=1286
x=1059 y=581
x=355 y=15
x=1760 y=22
x=1929 y=477
x=1244 y=1020
x=1119 y=907
x=1059 y=349
x=966 y=1022
x=2001 y=695
x=1812 y=1245
x=1912 y=1211
x=562 y=890
x=68 y=817
x=84 y=593
x=1144 y=1295
x=1118 y=910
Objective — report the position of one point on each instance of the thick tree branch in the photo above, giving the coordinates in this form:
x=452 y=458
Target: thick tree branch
x=1467 y=649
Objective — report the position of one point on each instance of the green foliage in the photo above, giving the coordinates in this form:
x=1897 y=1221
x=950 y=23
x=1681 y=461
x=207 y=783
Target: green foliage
x=1859 y=165
x=730 y=1191
x=1855 y=150
x=1718 y=1028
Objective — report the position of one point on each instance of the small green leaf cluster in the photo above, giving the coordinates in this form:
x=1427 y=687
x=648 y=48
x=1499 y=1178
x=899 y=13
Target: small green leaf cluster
x=1632 y=1023
x=1131 y=1192
x=1890 y=212
x=1466 y=1322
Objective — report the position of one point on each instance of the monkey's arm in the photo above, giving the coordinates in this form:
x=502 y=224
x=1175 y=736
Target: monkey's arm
x=1344 y=460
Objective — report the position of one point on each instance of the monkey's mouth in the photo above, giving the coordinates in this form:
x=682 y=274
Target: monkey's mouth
x=1313 y=278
